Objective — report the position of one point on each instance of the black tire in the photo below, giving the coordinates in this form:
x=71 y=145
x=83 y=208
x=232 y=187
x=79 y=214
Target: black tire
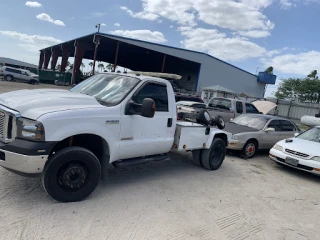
x=317 y=115
x=8 y=78
x=212 y=158
x=71 y=174
x=219 y=122
x=196 y=157
x=202 y=117
x=250 y=149
x=32 y=81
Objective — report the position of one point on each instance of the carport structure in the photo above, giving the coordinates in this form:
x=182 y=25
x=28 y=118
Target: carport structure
x=129 y=53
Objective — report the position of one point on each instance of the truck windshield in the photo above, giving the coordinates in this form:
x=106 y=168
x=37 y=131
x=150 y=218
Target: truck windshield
x=109 y=89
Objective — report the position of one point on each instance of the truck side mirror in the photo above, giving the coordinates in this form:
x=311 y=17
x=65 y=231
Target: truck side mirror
x=148 y=108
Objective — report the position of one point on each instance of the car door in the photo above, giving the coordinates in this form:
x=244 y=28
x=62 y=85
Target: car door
x=288 y=129
x=140 y=136
x=271 y=138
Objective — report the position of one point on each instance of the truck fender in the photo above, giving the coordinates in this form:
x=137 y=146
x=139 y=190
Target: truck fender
x=217 y=134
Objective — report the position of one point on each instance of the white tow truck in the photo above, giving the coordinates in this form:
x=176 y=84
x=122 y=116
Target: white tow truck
x=70 y=137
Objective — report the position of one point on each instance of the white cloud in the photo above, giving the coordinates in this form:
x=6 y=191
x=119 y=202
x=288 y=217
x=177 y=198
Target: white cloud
x=103 y=25
x=31 y=43
x=277 y=51
x=286 y=4
x=145 y=35
x=255 y=33
x=302 y=63
x=33 y=4
x=219 y=45
x=46 y=17
x=141 y=15
x=171 y=26
x=160 y=21
x=117 y=24
x=241 y=15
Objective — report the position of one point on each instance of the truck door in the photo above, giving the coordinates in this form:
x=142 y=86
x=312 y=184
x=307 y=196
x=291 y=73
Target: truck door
x=142 y=136
x=239 y=108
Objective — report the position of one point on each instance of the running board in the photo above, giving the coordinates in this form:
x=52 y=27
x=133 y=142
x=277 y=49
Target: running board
x=137 y=161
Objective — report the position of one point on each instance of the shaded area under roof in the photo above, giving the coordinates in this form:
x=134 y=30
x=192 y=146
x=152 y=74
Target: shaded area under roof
x=218 y=88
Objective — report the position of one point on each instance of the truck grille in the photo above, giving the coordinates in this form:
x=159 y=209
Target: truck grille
x=2 y=119
x=299 y=154
x=7 y=124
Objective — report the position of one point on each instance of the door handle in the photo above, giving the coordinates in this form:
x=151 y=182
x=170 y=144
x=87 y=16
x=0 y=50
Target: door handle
x=169 y=124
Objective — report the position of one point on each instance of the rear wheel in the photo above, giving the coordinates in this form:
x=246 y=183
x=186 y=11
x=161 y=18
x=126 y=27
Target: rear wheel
x=211 y=159
x=196 y=157
x=219 y=122
x=8 y=78
x=71 y=174
x=250 y=148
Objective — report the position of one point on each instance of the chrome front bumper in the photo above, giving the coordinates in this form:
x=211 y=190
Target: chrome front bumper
x=22 y=163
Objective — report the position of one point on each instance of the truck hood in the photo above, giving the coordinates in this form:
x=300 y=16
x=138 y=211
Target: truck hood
x=34 y=103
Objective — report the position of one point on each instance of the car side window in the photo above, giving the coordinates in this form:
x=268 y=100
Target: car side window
x=220 y=103
x=155 y=91
x=276 y=124
x=287 y=126
x=251 y=109
x=239 y=107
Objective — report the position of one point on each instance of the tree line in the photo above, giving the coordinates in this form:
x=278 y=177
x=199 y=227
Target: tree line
x=305 y=89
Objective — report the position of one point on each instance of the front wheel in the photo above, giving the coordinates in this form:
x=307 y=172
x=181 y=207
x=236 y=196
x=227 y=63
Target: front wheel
x=211 y=159
x=71 y=174
x=250 y=149
x=8 y=78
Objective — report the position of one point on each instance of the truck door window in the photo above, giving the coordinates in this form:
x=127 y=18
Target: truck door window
x=155 y=91
x=220 y=103
x=251 y=109
x=239 y=107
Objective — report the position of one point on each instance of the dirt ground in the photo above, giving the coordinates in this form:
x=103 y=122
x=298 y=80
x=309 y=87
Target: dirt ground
x=245 y=199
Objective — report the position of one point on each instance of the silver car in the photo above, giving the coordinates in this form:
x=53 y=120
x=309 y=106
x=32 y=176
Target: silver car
x=14 y=74
x=253 y=132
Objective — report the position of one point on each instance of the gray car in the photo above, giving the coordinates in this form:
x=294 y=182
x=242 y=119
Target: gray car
x=253 y=132
x=17 y=74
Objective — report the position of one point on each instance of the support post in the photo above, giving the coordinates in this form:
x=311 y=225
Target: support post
x=64 y=60
x=163 y=62
x=78 y=56
x=41 y=59
x=116 y=58
x=47 y=56
x=54 y=58
x=97 y=42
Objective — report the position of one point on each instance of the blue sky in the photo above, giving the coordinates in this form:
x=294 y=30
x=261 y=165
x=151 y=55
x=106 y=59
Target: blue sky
x=250 y=34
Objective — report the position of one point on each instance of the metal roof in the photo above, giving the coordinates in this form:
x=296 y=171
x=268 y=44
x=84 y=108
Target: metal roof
x=16 y=62
x=152 y=43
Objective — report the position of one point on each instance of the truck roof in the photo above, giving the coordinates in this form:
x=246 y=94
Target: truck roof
x=141 y=77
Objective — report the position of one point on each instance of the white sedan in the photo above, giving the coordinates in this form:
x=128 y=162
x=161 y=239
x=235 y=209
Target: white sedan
x=301 y=152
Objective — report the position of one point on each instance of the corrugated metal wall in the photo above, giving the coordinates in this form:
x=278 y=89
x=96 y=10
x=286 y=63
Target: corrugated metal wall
x=295 y=110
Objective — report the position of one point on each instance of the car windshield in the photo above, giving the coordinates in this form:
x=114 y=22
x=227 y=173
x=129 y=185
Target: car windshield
x=109 y=89
x=311 y=135
x=256 y=122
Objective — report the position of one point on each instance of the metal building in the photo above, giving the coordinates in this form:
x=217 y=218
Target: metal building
x=197 y=69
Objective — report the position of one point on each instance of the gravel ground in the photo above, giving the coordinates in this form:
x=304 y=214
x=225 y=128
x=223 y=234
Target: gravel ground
x=244 y=199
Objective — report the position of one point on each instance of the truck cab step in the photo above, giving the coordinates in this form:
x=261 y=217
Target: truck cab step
x=137 y=161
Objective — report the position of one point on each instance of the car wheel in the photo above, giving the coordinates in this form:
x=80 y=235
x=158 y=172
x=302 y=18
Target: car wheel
x=250 y=148
x=211 y=159
x=71 y=174
x=219 y=122
x=8 y=78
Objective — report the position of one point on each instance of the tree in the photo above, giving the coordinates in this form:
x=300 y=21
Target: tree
x=269 y=70
x=313 y=74
x=68 y=64
x=299 y=89
x=101 y=66
x=58 y=67
x=110 y=67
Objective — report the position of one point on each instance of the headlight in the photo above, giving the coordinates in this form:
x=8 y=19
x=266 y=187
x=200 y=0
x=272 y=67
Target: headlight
x=278 y=147
x=235 y=137
x=316 y=159
x=30 y=129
